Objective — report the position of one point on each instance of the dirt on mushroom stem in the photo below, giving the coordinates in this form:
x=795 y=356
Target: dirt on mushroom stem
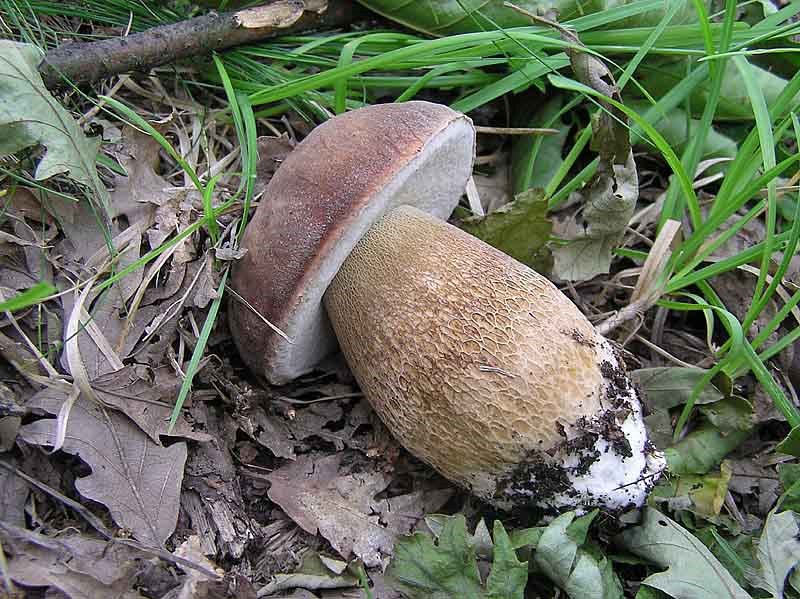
x=483 y=369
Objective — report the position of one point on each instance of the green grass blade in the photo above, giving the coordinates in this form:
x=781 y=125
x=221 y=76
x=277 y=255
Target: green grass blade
x=29 y=297
x=197 y=354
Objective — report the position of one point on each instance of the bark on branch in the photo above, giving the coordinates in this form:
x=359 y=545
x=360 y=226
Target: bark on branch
x=84 y=62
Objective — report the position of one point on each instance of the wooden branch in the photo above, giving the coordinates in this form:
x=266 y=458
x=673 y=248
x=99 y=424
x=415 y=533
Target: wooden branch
x=84 y=62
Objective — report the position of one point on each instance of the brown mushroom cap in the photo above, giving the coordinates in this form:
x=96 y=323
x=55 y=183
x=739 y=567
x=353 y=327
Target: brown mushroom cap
x=328 y=192
x=481 y=367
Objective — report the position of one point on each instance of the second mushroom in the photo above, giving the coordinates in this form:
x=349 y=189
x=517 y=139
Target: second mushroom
x=477 y=364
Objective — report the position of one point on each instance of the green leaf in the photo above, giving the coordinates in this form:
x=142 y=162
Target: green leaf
x=27 y=298
x=31 y=116
x=790 y=481
x=668 y=386
x=703 y=495
x=520 y=228
x=526 y=537
x=778 y=550
x=445 y=17
x=438 y=571
x=734 y=102
x=701 y=450
x=691 y=569
x=509 y=576
x=735 y=554
x=673 y=126
x=791 y=444
x=579 y=572
x=730 y=415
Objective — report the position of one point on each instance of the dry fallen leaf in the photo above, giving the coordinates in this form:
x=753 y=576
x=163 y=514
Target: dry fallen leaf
x=285 y=436
x=137 y=195
x=13 y=493
x=79 y=566
x=146 y=397
x=335 y=495
x=138 y=480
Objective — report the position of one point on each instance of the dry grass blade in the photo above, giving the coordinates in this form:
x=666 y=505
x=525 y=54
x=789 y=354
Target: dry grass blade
x=474 y=198
x=263 y=319
x=63 y=418
x=650 y=284
x=72 y=349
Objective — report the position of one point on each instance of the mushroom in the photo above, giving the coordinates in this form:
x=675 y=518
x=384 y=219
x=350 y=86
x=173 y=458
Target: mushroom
x=478 y=365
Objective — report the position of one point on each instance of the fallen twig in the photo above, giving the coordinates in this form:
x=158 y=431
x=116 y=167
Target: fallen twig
x=84 y=62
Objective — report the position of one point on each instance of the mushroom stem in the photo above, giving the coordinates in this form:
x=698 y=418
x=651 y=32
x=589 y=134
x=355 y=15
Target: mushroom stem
x=481 y=367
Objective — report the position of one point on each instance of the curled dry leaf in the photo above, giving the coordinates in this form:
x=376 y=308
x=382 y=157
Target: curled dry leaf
x=78 y=566
x=138 y=480
x=140 y=393
x=335 y=495
x=609 y=203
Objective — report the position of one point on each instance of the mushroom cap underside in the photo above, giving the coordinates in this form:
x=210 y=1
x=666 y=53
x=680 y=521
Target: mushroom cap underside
x=338 y=181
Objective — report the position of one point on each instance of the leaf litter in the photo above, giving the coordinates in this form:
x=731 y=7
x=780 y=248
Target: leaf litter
x=299 y=488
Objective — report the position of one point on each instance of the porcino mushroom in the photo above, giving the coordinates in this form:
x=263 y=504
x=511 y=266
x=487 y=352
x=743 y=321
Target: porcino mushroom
x=477 y=364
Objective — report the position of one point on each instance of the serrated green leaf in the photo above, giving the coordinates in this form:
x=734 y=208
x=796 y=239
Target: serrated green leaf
x=778 y=550
x=669 y=386
x=31 y=116
x=509 y=576
x=691 y=569
x=578 y=530
x=447 y=569
x=526 y=537
x=580 y=573
x=520 y=228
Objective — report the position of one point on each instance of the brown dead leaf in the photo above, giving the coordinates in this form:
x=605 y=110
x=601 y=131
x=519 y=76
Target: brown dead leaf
x=109 y=316
x=146 y=397
x=13 y=494
x=79 y=566
x=137 y=195
x=284 y=436
x=206 y=289
x=138 y=480
x=495 y=189
x=269 y=430
x=335 y=495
